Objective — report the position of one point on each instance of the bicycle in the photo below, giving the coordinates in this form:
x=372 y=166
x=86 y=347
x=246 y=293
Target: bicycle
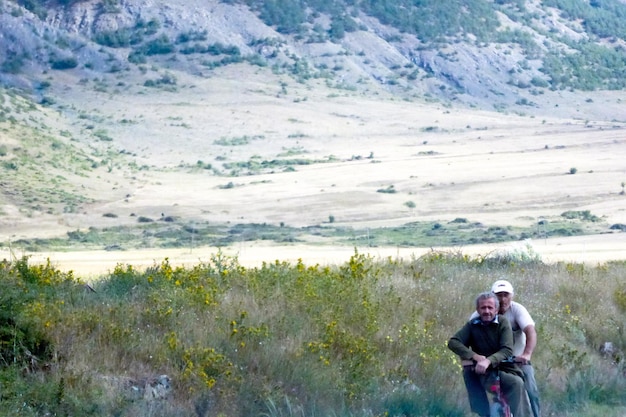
x=499 y=407
x=498 y=404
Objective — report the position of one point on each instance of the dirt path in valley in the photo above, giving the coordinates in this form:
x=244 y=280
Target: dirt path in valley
x=592 y=250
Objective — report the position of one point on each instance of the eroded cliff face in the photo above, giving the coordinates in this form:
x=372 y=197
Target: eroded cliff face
x=375 y=56
x=228 y=23
x=92 y=39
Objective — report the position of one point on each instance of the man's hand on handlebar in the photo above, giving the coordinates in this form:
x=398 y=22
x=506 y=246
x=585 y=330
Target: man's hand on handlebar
x=482 y=363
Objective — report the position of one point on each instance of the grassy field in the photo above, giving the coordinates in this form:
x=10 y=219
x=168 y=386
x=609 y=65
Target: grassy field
x=362 y=338
x=242 y=158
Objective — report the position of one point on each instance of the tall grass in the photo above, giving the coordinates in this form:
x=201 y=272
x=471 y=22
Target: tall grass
x=364 y=338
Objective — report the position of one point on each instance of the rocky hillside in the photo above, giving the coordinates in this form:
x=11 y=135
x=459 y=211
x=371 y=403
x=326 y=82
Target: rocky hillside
x=492 y=54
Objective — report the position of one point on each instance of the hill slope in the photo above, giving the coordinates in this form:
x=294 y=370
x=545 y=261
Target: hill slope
x=197 y=112
x=489 y=54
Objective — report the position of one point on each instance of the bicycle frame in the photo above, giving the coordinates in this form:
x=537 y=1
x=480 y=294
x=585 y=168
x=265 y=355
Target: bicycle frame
x=499 y=406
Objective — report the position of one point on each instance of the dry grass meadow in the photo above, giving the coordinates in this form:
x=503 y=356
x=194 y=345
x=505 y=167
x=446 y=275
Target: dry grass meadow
x=510 y=167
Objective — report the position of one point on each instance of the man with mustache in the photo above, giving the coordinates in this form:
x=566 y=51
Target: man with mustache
x=483 y=343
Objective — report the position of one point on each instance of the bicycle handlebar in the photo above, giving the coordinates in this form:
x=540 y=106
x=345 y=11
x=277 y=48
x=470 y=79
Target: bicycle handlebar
x=508 y=360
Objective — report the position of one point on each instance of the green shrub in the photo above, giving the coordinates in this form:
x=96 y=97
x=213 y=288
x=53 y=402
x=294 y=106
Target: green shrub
x=102 y=135
x=539 y=82
x=10 y=165
x=227 y=186
x=63 y=63
x=389 y=190
x=24 y=315
x=619 y=296
x=13 y=63
x=165 y=80
x=339 y=339
x=159 y=46
x=47 y=101
x=149 y=28
x=192 y=36
x=585 y=215
x=137 y=57
x=120 y=38
x=219 y=49
x=37 y=7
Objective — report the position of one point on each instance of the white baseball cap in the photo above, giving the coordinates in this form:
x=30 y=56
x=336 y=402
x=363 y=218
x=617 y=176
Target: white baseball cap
x=502 y=286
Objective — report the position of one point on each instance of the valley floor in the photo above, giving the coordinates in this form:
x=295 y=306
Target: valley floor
x=592 y=250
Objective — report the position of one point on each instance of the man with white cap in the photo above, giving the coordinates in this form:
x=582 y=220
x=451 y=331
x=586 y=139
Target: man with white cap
x=524 y=337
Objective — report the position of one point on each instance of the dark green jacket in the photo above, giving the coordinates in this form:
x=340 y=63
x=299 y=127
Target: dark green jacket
x=493 y=340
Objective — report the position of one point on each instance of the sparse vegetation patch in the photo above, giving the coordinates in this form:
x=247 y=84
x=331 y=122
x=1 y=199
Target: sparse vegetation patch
x=173 y=231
